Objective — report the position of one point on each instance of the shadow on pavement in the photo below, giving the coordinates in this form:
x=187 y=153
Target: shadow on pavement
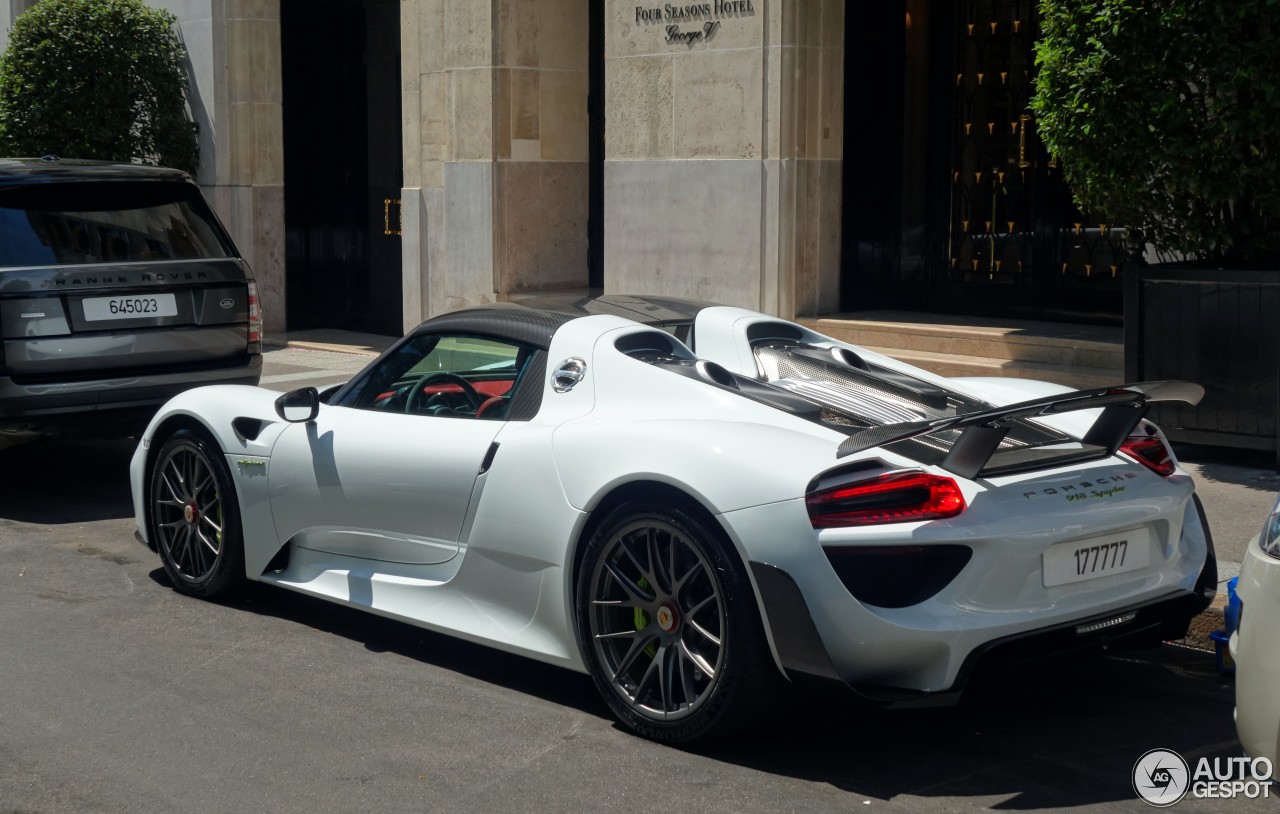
x=1050 y=734
x=1253 y=469
x=381 y=635
x=57 y=482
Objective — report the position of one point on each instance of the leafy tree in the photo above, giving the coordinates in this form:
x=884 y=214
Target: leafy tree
x=1166 y=116
x=99 y=79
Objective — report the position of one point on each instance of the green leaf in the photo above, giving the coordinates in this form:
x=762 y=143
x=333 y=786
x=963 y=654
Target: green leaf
x=101 y=79
x=1167 y=116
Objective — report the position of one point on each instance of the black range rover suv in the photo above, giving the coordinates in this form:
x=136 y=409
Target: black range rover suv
x=118 y=289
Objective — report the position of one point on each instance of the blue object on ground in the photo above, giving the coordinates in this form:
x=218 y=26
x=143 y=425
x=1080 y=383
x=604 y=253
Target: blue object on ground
x=1231 y=621
x=1231 y=616
x=1226 y=664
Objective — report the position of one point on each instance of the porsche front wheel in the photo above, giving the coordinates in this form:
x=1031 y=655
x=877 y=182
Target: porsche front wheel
x=668 y=626
x=194 y=520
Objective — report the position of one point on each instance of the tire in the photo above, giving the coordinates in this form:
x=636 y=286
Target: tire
x=194 y=519
x=668 y=627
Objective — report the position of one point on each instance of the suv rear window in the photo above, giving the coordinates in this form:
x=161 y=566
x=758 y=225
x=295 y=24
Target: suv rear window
x=106 y=222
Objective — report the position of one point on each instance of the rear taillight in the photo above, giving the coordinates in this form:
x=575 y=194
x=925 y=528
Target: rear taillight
x=1152 y=452
x=255 y=316
x=898 y=497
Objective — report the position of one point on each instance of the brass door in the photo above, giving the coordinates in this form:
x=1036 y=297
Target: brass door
x=1016 y=241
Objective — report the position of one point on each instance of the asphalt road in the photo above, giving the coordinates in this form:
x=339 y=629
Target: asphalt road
x=118 y=694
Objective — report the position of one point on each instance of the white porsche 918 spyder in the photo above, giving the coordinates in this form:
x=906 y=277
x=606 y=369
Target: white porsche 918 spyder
x=691 y=503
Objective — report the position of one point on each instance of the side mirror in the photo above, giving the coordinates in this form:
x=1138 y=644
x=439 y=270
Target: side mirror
x=299 y=406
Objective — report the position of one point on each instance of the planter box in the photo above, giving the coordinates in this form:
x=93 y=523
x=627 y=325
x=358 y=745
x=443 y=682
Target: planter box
x=1219 y=328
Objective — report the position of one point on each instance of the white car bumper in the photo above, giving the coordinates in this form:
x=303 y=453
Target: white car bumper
x=996 y=607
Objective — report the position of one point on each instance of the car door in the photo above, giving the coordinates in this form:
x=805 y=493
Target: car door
x=387 y=471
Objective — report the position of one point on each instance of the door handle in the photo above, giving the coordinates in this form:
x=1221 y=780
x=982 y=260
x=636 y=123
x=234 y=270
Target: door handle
x=488 y=458
x=386 y=217
x=1023 y=121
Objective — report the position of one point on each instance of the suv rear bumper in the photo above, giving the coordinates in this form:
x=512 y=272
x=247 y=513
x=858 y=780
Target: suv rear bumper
x=53 y=407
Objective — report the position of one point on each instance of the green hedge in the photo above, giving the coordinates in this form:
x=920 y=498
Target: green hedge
x=1166 y=116
x=99 y=79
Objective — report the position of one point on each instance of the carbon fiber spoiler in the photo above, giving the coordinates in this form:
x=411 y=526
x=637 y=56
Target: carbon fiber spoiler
x=1123 y=406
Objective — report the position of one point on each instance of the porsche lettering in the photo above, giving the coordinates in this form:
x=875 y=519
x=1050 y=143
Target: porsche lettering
x=1067 y=489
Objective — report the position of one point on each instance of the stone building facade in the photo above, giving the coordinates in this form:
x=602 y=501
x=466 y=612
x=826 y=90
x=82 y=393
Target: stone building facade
x=724 y=136
x=381 y=161
x=720 y=147
x=721 y=150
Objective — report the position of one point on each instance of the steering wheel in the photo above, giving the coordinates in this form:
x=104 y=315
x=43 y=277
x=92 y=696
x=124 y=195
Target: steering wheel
x=468 y=390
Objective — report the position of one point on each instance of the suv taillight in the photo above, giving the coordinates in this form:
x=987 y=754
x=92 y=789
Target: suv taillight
x=255 y=318
x=1152 y=452
x=897 y=497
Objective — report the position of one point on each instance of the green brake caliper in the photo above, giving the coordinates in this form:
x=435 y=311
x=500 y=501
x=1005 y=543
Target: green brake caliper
x=642 y=618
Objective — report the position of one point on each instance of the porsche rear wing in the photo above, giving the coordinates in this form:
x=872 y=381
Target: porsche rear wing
x=976 y=452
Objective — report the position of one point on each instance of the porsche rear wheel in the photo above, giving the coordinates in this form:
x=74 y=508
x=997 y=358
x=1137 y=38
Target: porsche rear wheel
x=194 y=519
x=668 y=626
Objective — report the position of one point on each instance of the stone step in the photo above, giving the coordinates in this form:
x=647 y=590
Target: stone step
x=993 y=342
x=1071 y=355
x=950 y=364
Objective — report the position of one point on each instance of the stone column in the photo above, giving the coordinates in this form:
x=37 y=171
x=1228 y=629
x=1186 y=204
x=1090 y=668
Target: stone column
x=540 y=139
x=234 y=51
x=810 y=89
x=424 y=97
x=9 y=11
x=723 y=148
x=495 y=150
x=447 y=85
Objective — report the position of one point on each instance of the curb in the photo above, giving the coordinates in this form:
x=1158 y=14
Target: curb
x=1209 y=620
x=329 y=347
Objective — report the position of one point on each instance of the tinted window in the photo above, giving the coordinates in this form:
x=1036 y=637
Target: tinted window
x=680 y=330
x=114 y=222
x=450 y=375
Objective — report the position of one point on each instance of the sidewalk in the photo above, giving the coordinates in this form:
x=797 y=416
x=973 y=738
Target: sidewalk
x=334 y=341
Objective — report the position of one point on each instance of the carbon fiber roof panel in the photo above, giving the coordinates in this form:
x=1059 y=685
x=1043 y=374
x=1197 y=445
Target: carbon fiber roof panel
x=535 y=320
x=503 y=320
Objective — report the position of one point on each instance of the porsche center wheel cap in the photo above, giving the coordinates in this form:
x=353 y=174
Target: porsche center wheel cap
x=667 y=619
x=190 y=513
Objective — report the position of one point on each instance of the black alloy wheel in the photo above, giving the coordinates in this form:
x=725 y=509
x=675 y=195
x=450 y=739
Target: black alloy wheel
x=668 y=626
x=193 y=519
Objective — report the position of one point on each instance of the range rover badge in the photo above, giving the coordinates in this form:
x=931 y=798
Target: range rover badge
x=227 y=302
